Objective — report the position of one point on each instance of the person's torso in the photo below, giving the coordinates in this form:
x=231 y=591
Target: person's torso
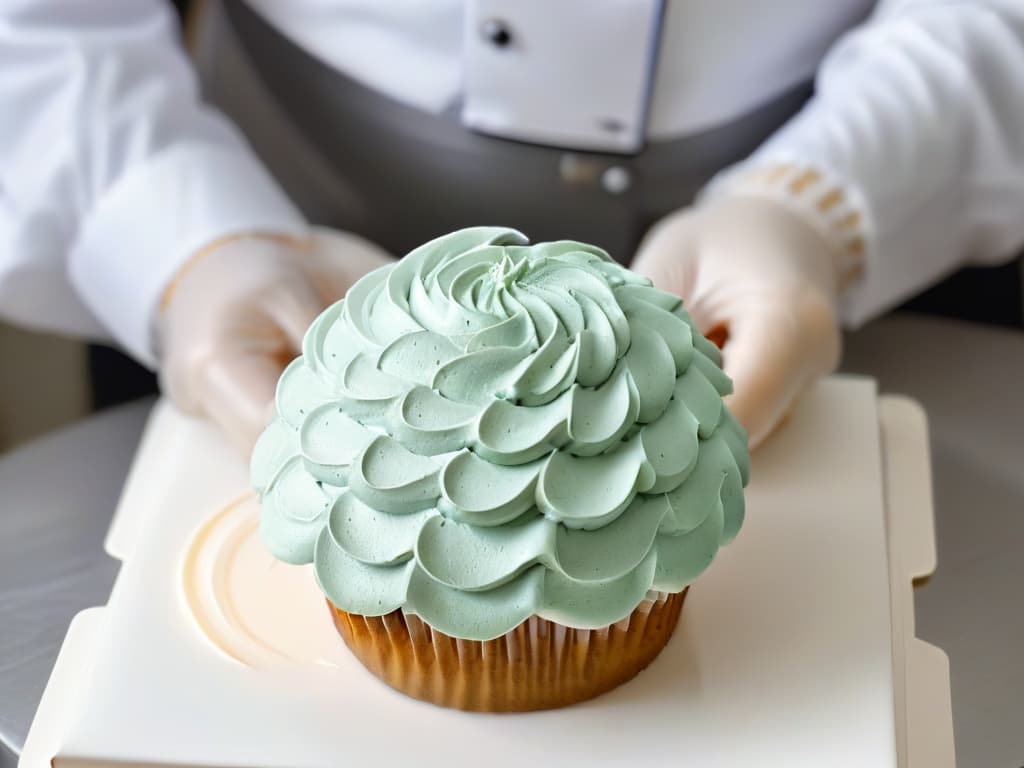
x=587 y=119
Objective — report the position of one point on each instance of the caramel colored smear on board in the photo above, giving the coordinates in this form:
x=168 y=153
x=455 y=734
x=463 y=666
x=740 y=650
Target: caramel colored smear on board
x=718 y=335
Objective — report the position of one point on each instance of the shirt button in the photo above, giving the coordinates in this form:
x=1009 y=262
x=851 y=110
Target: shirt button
x=497 y=32
x=616 y=179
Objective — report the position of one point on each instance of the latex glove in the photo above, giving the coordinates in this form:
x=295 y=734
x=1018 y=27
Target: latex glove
x=758 y=277
x=235 y=315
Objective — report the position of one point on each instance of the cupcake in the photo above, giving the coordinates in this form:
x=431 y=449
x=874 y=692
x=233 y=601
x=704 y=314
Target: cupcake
x=506 y=463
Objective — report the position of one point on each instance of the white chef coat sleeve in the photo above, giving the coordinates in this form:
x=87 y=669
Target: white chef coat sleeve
x=112 y=171
x=917 y=127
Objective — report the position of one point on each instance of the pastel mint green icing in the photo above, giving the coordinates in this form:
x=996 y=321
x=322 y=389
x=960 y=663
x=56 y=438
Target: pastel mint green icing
x=488 y=430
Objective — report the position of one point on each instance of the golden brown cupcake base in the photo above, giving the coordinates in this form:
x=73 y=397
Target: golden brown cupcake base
x=538 y=665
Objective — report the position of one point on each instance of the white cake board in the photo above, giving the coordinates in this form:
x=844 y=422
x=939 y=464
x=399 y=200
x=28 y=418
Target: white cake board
x=795 y=649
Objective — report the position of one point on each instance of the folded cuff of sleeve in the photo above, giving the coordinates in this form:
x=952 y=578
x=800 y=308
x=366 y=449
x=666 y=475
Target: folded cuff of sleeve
x=880 y=264
x=155 y=217
x=833 y=209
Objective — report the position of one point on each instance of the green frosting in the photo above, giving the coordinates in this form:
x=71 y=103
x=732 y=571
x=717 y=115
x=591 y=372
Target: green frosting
x=488 y=430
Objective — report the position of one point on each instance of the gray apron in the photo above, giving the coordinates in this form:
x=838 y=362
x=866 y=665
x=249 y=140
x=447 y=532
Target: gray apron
x=354 y=159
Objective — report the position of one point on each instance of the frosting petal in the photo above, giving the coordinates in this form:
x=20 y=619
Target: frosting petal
x=602 y=415
x=478 y=492
x=513 y=434
x=277 y=444
x=692 y=501
x=475 y=615
x=700 y=396
x=681 y=559
x=431 y=423
x=475 y=558
x=373 y=537
x=589 y=492
x=416 y=356
x=478 y=377
x=369 y=590
x=293 y=512
x=299 y=391
x=330 y=441
x=387 y=476
x=652 y=368
x=671 y=446
x=592 y=605
x=677 y=333
x=611 y=551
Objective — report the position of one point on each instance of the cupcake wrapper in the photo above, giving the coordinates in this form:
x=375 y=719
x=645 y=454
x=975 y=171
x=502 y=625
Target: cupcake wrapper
x=538 y=665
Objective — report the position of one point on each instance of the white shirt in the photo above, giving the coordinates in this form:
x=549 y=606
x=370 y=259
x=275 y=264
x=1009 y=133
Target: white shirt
x=112 y=172
x=715 y=59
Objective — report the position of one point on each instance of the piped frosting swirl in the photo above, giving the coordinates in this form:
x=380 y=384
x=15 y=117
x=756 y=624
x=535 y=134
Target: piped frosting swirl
x=487 y=430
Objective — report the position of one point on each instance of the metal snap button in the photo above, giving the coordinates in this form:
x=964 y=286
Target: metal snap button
x=497 y=33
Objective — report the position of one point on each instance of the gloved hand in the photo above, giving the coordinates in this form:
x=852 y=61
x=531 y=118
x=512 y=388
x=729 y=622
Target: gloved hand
x=235 y=315
x=755 y=275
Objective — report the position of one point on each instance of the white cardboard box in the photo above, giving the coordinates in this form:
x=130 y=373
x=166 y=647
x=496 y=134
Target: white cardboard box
x=796 y=648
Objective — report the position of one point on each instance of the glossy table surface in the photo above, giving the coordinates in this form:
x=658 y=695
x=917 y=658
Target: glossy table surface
x=58 y=493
